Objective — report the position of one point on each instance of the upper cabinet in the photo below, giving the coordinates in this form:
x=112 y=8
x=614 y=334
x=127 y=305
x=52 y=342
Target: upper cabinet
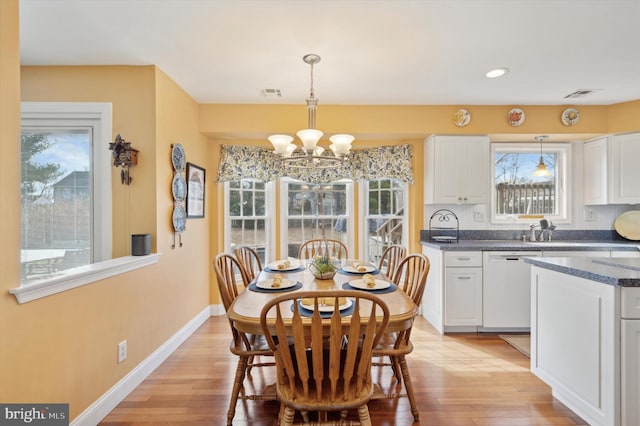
x=611 y=172
x=457 y=170
x=624 y=173
x=595 y=171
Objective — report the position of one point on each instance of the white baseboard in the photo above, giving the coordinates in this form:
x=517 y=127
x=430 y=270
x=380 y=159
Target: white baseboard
x=217 y=310
x=109 y=400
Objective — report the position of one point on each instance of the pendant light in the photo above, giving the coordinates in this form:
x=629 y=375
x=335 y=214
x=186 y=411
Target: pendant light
x=541 y=170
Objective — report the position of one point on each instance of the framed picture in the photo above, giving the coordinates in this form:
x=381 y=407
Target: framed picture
x=195 y=190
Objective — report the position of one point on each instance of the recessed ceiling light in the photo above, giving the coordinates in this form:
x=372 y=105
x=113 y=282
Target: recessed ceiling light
x=497 y=72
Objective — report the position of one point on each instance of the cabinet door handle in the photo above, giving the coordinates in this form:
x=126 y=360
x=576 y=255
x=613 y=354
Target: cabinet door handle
x=464 y=258
x=464 y=277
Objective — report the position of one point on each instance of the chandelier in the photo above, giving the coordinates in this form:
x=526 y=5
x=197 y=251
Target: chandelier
x=310 y=155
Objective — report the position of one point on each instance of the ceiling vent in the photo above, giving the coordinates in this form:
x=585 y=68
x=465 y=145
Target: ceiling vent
x=580 y=93
x=271 y=93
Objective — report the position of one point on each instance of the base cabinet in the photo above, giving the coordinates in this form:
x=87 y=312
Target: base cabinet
x=463 y=296
x=575 y=343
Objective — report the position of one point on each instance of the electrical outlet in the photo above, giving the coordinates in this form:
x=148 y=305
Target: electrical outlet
x=478 y=212
x=122 y=351
x=589 y=214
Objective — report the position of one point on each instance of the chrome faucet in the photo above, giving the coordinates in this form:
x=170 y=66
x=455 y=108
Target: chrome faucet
x=533 y=227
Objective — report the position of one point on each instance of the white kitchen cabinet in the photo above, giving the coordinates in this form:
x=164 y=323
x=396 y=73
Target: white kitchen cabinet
x=433 y=298
x=624 y=173
x=595 y=177
x=575 y=343
x=463 y=288
x=457 y=170
x=630 y=356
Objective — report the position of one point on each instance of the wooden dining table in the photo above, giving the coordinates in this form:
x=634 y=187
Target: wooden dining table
x=245 y=310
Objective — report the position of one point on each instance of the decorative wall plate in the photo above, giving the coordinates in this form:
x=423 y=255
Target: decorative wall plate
x=179 y=187
x=177 y=157
x=461 y=117
x=628 y=225
x=179 y=217
x=515 y=117
x=570 y=117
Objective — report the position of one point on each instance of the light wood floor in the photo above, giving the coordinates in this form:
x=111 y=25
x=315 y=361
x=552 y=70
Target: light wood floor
x=470 y=379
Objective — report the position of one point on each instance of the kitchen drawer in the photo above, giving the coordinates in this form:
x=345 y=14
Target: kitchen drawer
x=630 y=304
x=462 y=259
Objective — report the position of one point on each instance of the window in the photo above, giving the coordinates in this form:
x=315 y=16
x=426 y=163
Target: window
x=247 y=219
x=311 y=211
x=385 y=220
x=65 y=184
x=516 y=192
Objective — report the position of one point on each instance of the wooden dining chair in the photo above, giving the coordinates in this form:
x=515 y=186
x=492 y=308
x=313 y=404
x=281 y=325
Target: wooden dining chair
x=245 y=346
x=324 y=364
x=310 y=248
x=410 y=277
x=250 y=262
x=390 y=260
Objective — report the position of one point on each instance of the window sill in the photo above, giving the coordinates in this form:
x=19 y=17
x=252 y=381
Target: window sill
x=76 y=277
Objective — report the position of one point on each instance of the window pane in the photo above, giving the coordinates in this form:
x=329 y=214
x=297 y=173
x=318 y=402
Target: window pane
x=518 y=191
x=57 y=199
x=248 y=211
x=260 y=205
x=384 y=219
x=247 y=203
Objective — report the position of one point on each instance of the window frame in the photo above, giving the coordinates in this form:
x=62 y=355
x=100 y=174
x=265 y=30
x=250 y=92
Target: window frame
x=269 y=221
x=363 y=225
x=284 y=214
x=103 y=265
x=563 y=179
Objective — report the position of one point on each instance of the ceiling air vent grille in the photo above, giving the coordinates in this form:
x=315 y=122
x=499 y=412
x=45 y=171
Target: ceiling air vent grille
x=271 y=93
x=580 y=93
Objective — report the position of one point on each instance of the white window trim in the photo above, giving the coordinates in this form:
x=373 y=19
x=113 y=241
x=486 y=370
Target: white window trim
x=270 y=213
x=76 y=277
x=103 y=266
x=563 y=170
x=284 y=214
x=362 y=225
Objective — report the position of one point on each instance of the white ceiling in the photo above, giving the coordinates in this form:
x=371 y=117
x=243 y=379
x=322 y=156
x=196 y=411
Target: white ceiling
x=390 y=52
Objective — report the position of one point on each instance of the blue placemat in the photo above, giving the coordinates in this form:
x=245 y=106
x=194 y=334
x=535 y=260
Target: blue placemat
x=298 y=269
x=390 y=289
x=254 y=287
x=309 y=313
x=374 y=272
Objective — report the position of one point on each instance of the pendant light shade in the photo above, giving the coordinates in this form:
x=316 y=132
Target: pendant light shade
x=541 y=170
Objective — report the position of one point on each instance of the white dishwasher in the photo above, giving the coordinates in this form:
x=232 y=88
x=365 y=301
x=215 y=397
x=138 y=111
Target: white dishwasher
x=506 y=293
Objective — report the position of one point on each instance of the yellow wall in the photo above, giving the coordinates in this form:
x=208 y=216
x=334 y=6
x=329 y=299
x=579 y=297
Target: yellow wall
x=391 y=125
x=62 y=348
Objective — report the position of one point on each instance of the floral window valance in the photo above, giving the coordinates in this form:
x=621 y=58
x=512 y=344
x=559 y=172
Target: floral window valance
x=251 y=162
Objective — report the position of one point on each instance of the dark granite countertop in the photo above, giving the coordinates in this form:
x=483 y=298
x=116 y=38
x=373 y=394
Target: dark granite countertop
x=624 y=272
x=514 y=245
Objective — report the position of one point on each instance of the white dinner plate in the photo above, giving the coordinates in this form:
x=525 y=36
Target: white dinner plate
x=268 y=284
x=326 y=308
x=352 y=269
x=362 y=284
x=628 y=225
x=293 y=264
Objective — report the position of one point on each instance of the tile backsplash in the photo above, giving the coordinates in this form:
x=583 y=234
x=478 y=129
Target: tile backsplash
x=604 y=217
